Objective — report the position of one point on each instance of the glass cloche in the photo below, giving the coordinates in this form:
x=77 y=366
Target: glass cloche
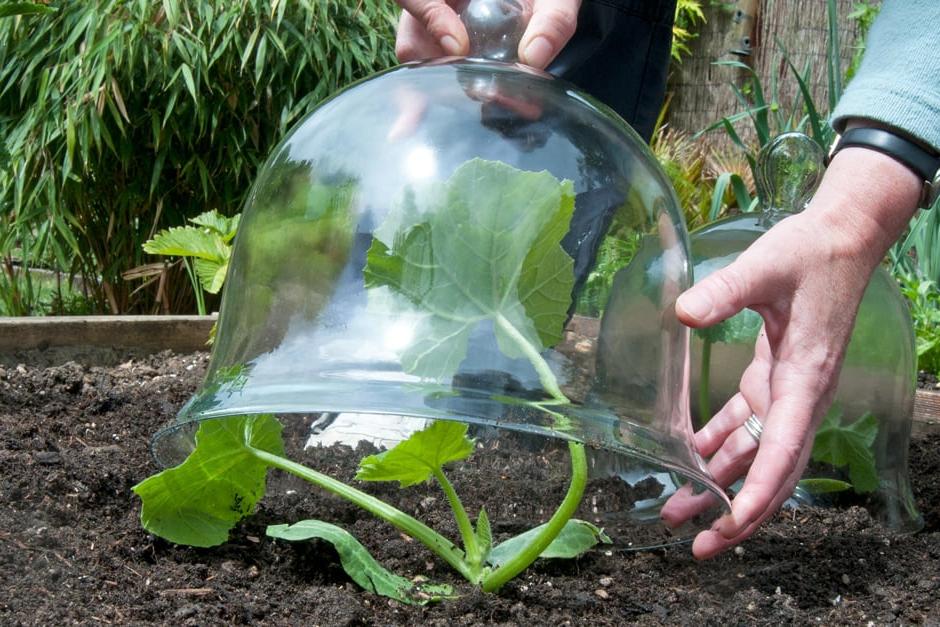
x=861 y=448
x=417 y=251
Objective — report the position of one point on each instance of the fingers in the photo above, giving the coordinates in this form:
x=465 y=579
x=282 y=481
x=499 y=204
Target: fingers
x=780 y=460
x=758 y=277
x=728 y=464
x=429 y=28
x=552 y=25
x=710 y=437
x=754 y=397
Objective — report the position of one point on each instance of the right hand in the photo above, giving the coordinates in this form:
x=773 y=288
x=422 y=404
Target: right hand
x=431 y=28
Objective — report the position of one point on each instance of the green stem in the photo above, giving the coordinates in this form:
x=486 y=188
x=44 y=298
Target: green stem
x=197 y=287
x=546 y=376
x=414 y=528
x=519 y=562
x=471 y=547
x=704 y=398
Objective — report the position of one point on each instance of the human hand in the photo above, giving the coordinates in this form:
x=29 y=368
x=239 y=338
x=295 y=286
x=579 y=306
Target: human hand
x=432 y=28
x=805 y=277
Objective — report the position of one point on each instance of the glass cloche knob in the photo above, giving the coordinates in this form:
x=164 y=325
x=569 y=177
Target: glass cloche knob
x=789 y=169
x=495 y=28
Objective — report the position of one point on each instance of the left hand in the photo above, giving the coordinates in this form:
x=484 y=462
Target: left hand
x=805 y=277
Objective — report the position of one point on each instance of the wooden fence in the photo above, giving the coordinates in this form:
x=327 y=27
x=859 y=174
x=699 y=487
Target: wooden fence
x=700 y=90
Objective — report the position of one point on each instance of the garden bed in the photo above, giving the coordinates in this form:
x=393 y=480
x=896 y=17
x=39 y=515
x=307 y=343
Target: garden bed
x=74 y=439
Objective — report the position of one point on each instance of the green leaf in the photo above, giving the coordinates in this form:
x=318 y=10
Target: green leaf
x=414 y=460
x=484 y=534
x=741 y=193
x=741 y=328
x=188 y=241
x=483 y=246
x=214 y=221
x=849 y=446
x=824 y=486
x=211 y=273
x=200 y=501
x=190 y=83
x=548 y=275
x=359 y=563
x=8 y=9
x=575 y=538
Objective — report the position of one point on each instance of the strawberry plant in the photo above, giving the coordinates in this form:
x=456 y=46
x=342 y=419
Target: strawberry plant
x=482 y=248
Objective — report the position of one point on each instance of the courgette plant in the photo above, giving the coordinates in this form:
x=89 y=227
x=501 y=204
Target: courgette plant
x=482 y=247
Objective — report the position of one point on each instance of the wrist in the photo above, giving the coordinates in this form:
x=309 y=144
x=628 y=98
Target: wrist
x=921 y=158
x=865 y=201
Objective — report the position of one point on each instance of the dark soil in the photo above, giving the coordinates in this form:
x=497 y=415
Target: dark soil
x=927 y=381
x=74 y=439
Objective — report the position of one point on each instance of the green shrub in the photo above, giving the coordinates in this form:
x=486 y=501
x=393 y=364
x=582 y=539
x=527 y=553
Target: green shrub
x=121 y=117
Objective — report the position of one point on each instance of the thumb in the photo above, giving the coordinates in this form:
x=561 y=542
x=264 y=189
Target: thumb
x=441 y=22
x=717 y=297
x=552 y=25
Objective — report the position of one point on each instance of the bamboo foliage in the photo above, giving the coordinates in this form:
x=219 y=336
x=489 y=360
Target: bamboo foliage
x=121 y=117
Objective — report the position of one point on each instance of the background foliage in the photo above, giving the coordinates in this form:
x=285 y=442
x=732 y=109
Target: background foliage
x=120 y=117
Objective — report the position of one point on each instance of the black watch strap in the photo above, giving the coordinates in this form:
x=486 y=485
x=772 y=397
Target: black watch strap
x=923 y=162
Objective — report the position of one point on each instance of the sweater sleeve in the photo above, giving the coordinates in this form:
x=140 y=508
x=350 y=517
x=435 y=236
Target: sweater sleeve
x=898 y=82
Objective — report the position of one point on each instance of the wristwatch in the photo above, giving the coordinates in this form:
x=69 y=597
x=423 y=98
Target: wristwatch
x=922 y=161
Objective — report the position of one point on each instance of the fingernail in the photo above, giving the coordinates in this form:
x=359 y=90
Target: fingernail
x=695 y=306
x=450 y=45
x=538 y=53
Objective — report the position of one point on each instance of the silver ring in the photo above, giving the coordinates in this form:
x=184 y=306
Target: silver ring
x=754 y=427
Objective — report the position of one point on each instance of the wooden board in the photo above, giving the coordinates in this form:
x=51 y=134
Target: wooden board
x=137 y=334
x=927 y=411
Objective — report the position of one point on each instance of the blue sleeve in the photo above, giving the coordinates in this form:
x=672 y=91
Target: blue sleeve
x=898 y=82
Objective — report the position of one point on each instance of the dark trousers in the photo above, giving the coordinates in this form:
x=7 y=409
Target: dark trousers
x=620 y=55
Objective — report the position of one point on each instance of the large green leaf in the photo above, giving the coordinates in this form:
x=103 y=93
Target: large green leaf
x=187 y=241
x=359 y=563
x=198 y=502
x=849 y=446
x=575 y=538
x=414 y=460
x=484 y=246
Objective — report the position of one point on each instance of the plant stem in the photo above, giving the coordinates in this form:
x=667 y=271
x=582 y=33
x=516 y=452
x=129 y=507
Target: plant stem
x=197 y=287
x=471 y=547
x=519 y=562
x=704 y=399
x=546 y=376
x=437 y=543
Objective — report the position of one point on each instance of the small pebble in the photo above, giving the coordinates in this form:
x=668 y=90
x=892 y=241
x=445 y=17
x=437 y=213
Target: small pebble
x=846 y=579
x=606 y=581
x=601 y=593
x=739 y=551
x=187 y=611
x=253 y=572
x=230 y=566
